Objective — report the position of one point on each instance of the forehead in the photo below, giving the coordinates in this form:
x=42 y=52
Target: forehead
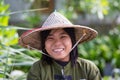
x=55 y=31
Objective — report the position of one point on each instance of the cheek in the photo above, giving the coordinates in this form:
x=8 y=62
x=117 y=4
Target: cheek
x=68 y=43
x=48 y=46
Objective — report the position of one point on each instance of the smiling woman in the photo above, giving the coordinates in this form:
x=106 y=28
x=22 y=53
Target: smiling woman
x=58 y=44
x=58 y=39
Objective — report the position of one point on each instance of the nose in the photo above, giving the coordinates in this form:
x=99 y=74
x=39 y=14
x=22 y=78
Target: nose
x=57 y=42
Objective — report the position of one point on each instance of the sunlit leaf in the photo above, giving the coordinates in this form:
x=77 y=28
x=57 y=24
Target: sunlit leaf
x=4 y=21
x=9 y=36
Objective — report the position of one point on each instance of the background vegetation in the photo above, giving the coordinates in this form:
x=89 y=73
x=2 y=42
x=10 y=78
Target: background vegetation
x=15 y=61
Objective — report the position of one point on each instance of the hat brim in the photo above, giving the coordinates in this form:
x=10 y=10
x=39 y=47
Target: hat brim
x=32 y=37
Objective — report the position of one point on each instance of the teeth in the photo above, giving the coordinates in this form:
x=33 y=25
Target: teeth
x=57 y=50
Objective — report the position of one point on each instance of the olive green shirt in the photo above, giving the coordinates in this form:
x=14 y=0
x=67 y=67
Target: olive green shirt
x=83 y=70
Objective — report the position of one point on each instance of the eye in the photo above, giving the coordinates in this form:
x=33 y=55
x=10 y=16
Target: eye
x=64 y=36
x=49 y=38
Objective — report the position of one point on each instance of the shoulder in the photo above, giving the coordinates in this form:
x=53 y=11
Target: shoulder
x=90 y=69
x=87 y=65
x=85 y=62
x=33 y=73
x=36 y=66
x=38 y=63
x=41 y=65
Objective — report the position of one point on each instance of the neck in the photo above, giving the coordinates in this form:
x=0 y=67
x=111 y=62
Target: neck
x=62 y=63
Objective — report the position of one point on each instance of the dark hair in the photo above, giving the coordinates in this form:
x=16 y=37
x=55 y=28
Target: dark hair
x=73 y=53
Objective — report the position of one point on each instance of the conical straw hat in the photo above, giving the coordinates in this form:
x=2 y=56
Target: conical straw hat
x=55 y=21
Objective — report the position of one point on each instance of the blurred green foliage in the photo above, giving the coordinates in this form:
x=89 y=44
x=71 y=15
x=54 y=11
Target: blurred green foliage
x=101 y=8
x=33 y=20
x=12 y=56
x=4 y=17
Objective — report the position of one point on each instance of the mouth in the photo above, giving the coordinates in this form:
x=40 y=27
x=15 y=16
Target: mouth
x=58 y=50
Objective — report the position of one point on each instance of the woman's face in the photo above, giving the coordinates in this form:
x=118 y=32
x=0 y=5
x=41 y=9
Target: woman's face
x=58 y=44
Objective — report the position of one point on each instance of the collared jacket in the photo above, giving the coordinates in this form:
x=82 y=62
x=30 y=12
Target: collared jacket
x=82 y=70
